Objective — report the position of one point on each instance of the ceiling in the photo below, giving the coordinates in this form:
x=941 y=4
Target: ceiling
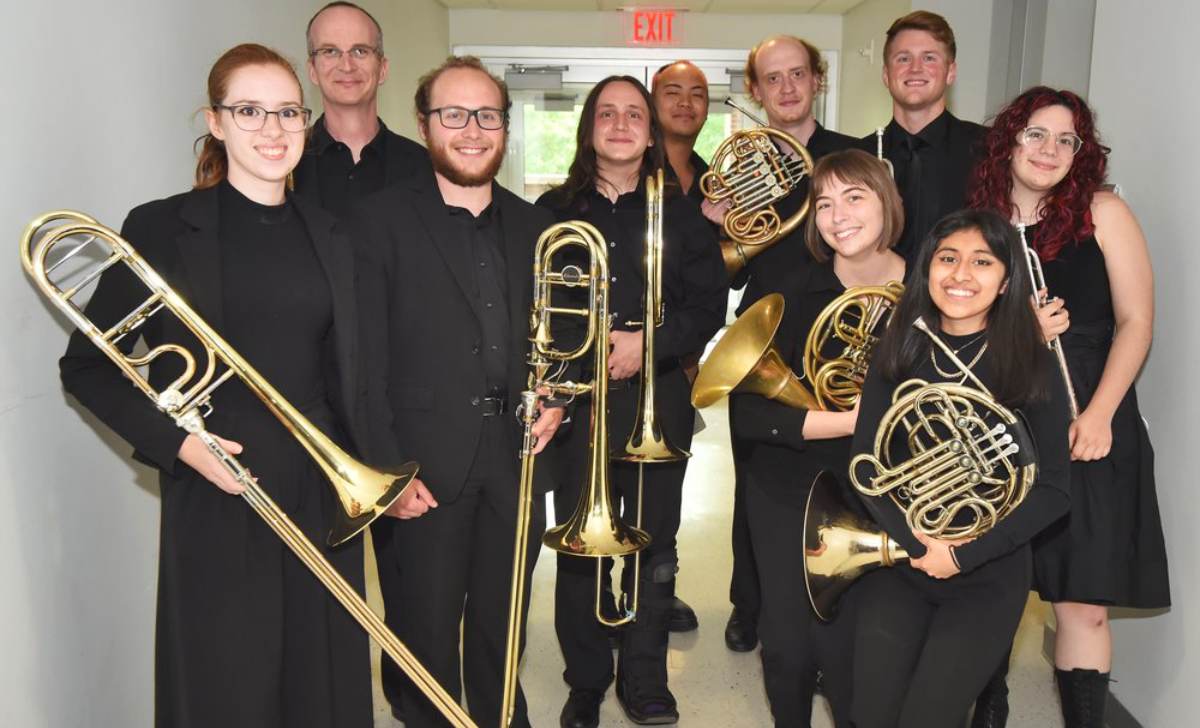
x=833 y=7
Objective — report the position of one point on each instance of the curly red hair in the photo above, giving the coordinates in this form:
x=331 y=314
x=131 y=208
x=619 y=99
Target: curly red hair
x=1067 y=217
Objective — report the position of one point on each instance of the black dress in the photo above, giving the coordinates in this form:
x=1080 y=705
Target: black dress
x=1109 y=549
x=246 y=635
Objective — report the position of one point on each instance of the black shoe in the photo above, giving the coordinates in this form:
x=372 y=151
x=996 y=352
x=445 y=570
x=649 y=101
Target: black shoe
x=652 y=707
x=1084 y=694
x=582 y=709
x=741 y=634
x=991 y=707
x=681 y=617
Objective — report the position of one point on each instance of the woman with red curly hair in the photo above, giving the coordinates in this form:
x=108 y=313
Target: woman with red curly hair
x=1044 y=167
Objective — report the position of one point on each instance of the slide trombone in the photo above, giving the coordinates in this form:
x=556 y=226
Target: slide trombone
x=362 y=492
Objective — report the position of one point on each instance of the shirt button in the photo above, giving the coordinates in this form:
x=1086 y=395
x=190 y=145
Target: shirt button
x=614 y=279
x=482 y=264
x=495 y=348
x=475 y=349
x=474 y=401
x=774 y=431
x=350 y=176
x=612 y=244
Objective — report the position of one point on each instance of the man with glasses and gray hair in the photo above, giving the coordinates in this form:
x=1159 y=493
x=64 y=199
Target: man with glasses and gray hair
x=351 y=153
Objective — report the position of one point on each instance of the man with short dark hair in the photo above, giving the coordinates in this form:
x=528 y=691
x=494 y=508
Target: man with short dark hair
x=681 y=98
x=446 y=286
x=351 y=153
x=931 y=151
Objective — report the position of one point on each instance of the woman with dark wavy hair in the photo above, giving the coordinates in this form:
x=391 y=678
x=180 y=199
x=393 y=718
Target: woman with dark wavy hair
x=1044 y=168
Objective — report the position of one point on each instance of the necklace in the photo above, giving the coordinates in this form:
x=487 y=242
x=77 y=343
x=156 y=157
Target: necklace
x=970 y=365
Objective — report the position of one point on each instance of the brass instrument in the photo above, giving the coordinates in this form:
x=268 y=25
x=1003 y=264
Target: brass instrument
x=751 y=171
x=970 y=457
x=362 y=492
x=594 y=529
x=598 y=528
x=745 y=359
x=1038 y=278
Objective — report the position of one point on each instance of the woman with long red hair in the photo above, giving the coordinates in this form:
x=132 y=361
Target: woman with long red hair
x=1044 y=167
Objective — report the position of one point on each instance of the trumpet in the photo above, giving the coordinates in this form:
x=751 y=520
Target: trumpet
x=746 y=360
x=1038 y=278
x=751 y=171
x=362 y=492
x=972 y=462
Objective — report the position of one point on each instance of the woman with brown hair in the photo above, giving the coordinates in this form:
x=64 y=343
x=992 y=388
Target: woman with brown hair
x=856 y=218
x=245 y=636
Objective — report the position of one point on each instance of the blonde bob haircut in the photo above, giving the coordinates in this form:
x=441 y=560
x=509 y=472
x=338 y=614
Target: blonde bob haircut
x=854 y=167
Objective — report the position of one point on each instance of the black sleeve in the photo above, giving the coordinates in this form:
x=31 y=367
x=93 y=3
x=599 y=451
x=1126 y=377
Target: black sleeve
x=875 y=401
x=1048 y=499
x=696 y=282
x=374 y=275
x=94 y=380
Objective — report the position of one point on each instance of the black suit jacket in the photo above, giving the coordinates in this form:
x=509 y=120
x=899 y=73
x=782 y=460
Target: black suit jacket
x=423 y=329
x=178 y=238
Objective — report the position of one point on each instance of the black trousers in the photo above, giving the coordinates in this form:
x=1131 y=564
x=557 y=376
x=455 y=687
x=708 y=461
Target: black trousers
x=925 y=648
x=451 y=567
x=744 y=588
x=584 y=642
x=794 y=642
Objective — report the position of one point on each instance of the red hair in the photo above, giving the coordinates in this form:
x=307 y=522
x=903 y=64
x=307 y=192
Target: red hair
x=212 y=165
x=1067 y=217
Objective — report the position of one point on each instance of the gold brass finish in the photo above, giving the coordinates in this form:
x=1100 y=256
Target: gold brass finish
x=751 y=171
x=839 y=546
x=852 y=319
x=745 y=360
x=1038 y=278
x=363 y=493
x=647 y=442
x=964 y=458
x=594 y=530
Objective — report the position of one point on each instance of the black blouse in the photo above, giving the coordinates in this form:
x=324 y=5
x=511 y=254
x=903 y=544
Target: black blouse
x=1048 y=421
x=779 y=459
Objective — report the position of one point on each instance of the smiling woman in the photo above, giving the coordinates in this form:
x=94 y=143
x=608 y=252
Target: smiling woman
x=267 y=272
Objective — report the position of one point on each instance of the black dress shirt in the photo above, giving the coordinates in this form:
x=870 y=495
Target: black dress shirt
x=932 y=168
x=694 y=281
x=327 y=171
x=697 y=162
x=479 y=243
x=771 y=269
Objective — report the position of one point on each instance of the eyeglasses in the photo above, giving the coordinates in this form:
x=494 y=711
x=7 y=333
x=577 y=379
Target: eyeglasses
x=249 y=117
x=1036 y=136
x=456 y=117
x=331 y=55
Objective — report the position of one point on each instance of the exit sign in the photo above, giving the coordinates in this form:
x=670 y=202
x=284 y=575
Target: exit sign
x=652 y=26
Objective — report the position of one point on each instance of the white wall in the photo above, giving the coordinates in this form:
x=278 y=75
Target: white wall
x=417 y=38
x=866 y=104
x=1138 y=87
x=604 y=28
x=101 y=98
x=972 y=24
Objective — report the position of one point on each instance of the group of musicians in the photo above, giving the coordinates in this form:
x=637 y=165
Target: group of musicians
x=384 y=288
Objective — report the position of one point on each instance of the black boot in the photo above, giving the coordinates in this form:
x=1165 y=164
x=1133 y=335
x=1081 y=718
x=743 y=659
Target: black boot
x=991 y=707
x=642 y=661
x=1083 y=694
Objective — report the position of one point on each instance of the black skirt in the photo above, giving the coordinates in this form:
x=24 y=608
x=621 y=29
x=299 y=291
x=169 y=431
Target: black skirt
x=1109 y=549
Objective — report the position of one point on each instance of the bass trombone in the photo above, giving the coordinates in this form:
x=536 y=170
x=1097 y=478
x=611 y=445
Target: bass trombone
x=971 y=462
x=362 y=492
x=751 y=171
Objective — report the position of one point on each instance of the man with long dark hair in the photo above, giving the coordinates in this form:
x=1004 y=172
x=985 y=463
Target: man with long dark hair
x=618 y=144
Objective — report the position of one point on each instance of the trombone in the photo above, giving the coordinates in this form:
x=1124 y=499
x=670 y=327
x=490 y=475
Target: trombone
x=363 y=493
x=597 y=529
x=1038 y=277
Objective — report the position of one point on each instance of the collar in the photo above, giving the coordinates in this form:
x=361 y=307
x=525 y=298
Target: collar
x=320 y=140
x=935 y=133
x=487 y=217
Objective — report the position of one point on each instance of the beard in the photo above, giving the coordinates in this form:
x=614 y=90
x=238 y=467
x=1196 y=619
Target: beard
x=444 y=165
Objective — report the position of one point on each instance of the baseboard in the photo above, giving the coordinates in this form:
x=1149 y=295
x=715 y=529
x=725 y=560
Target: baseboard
x=1116 y=715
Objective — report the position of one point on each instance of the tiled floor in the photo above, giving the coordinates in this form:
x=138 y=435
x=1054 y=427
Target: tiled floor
x=716 y=687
